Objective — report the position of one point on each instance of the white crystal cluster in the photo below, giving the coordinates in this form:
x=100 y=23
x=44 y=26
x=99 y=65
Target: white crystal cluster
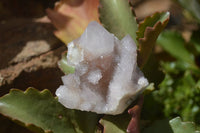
x=106 y=78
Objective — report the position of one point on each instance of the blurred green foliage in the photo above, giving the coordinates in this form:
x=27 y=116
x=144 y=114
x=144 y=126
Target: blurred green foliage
x=180 y=90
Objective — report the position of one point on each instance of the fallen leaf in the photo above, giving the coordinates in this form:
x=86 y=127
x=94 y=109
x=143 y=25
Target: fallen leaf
x=71 y=17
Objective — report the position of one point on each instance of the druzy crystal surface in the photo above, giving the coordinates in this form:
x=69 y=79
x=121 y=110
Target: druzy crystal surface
x=106 y=78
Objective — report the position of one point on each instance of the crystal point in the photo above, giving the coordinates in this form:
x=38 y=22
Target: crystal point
x=107 y=78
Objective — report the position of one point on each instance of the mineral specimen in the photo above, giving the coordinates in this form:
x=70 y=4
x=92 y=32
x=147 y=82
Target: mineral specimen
x=106 y=78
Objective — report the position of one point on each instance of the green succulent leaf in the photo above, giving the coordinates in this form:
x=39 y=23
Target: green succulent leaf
x=151 y=69
x=193 y=6
x=85 y=122
x=118 y=18
x=109 y=127
x=64 y=66
x=173 y=43
x=182 y=127
x=40 y=109
x=147 y=34
x=150 y=21
x=115 y=124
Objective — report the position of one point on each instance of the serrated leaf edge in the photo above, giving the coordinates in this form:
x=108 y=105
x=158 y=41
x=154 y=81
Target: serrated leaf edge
x=141 y=58
x=149 y=17
x=27 y=91
x=43 y=92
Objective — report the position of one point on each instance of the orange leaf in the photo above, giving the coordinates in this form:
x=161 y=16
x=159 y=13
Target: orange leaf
x=71 y=17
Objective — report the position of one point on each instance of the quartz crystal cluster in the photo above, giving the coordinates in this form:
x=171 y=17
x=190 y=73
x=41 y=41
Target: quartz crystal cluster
x=106 y=78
